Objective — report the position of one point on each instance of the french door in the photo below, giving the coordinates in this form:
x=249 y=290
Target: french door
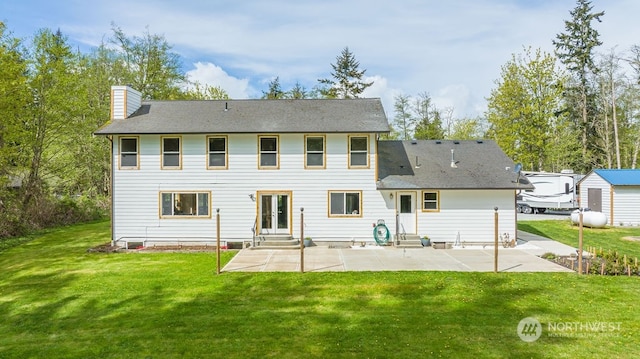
x=275 y=213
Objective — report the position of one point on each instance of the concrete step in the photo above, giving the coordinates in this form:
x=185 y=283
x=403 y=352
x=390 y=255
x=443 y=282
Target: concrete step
x=409 y=243
x=276 y=242
x=264 y=247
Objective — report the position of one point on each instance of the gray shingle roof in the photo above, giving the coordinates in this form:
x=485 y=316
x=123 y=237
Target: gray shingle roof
x=480 y=165
x=253 y=116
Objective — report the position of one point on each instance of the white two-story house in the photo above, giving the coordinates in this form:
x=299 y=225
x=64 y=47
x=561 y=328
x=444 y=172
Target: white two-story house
x=175 y=164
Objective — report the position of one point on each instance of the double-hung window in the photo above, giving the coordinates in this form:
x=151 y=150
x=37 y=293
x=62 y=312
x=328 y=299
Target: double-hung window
x=268 y=152
x=129 y=153
x=314 y=149
x=345 y=203
x=217 y=152
x=430 y=201
x=171 y=157
x=177 y=204
x=358 y=152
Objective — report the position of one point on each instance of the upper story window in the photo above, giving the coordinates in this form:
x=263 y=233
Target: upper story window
x=358 y=152
x=171 y=158
x=185 y=204
x=217 y=152
x=345 y=203
x=314 y=152
x=129 y=153
x=430 y=201
x=268 y=152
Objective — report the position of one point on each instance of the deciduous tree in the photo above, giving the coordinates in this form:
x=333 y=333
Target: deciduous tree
x=524 y=109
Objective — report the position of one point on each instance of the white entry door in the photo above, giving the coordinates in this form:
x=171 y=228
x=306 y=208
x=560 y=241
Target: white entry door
x=406 y=207
x=274 y=213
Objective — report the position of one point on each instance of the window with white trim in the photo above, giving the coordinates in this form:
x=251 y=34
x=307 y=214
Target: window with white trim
x=268 y=152
x=345 y=203
x=314 y=148
x=217 y=152
x=171 y=152
x=128 y=152
x=180 y=204
x=358 y=151
x=430 y=201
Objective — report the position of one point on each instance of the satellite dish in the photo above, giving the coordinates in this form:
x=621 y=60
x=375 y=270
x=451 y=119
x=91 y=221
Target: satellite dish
x=517 y=168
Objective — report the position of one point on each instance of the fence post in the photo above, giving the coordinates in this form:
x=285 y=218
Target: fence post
x=580 y=240
x=218 y=241
x=495 y=240
x=301 y=239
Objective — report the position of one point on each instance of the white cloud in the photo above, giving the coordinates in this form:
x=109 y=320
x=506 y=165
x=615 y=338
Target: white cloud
x=212 y=75
x=450 y=49
x=380 y=89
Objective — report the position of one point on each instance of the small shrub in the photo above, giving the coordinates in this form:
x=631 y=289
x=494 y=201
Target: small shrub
x=549 y=256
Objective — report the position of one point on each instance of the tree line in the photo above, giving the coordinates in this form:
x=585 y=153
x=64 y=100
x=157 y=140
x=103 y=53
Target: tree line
x=574 y=109
x=53 y=171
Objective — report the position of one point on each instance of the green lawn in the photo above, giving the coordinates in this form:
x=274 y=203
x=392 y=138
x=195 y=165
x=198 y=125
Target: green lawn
x=58 y=301
x=610 y=238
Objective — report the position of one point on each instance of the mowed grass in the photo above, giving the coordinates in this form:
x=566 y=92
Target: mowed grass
x=59 y=301
x=608 y=238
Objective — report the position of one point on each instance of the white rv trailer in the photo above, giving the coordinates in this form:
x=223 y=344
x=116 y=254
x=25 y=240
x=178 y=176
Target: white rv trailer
x=552 y=191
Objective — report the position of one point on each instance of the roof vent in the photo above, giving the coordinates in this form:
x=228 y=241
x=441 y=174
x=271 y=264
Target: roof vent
x=454 y=163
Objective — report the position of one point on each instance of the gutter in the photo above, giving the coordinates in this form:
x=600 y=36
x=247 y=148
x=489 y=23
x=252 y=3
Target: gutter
x=111 y=162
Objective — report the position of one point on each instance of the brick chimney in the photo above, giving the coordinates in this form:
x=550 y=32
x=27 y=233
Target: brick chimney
x=124 y=101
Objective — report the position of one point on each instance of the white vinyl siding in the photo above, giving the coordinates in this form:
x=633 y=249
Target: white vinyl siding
x=593 y=180
x=469 y=213
x=137 y=202
x=619 y=203
x=625 y=206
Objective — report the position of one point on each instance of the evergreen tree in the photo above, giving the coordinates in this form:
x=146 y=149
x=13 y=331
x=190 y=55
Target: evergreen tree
x=346 y=81
x=297 y=92
x=275 y=90
x=428 y=119
x=403 y=120
x=575 y=48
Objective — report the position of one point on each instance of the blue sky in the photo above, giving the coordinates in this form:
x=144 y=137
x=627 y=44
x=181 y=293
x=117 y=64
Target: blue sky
x=452 y=50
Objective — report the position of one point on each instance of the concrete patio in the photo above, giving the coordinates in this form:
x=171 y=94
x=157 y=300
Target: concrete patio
x=522 y=258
